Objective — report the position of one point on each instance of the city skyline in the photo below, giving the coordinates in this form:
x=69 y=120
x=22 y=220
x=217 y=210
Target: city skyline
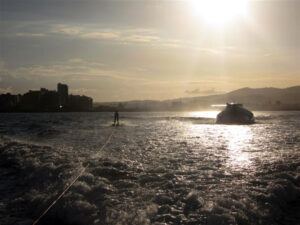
x=45 y=100
x=157 y=49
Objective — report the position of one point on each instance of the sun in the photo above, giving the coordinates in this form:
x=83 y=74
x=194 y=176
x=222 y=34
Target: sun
x=219 y=13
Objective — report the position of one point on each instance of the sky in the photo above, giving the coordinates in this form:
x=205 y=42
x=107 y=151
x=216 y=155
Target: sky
x=118 y=50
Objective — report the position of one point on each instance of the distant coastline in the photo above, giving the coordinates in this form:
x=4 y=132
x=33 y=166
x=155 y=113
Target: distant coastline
x=255 y=99
x=43 y=100
x=112 y=109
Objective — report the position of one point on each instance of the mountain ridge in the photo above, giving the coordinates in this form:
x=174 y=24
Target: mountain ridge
x=257 y=98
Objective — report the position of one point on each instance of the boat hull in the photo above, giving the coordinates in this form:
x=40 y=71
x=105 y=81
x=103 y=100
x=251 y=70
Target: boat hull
x=235 y=115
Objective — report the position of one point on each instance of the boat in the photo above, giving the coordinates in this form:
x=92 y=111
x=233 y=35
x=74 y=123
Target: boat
x=235 y=113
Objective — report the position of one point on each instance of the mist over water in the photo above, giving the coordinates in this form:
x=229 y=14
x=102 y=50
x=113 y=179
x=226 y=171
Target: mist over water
x=158 y=168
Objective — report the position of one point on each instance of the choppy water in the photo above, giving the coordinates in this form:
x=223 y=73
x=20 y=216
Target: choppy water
x=158 y=168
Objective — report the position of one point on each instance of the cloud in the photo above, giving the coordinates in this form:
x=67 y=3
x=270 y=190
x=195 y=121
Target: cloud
x=89 y=32
x=141 y=38
x=121 y=35
x=84 y=32
x=81 y=91
x=92 y=78
x=197 y=91
x=22 y=34
x=102 y=35
x=72 y=70
x=66 y=30
x=6 y=90
x=147 y=37
x=77 y=68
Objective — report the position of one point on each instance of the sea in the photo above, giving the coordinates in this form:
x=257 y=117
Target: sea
x=161 y=168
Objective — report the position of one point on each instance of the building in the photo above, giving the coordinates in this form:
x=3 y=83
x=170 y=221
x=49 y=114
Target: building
x=45 y=100
x=48 y=100
x=63 y=93
x=8 y=102
x=80 y=103
x=29 y=101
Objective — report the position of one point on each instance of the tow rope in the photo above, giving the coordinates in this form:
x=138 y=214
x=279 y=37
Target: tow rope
x=71 y=184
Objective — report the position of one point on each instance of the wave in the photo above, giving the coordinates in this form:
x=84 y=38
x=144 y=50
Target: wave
x=132 y=183
x=117 y=192
x=200 y=120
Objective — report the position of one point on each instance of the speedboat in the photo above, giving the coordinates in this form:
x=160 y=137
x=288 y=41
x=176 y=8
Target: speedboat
x=235 y=114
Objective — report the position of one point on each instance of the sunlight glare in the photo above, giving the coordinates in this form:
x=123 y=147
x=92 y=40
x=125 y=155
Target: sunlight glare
x=238 y=137
x=204 y=114
x=218 y=13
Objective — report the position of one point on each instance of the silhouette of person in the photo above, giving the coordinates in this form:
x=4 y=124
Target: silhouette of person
x=116 y=118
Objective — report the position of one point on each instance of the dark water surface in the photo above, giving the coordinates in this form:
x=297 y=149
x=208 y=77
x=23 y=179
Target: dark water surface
x=158 y=168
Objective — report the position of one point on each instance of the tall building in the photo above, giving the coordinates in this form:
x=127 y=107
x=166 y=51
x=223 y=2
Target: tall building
x=63 y=93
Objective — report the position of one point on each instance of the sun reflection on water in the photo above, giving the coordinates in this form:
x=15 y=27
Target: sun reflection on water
x=230 y=144
x=238 y=138
x=204 y=114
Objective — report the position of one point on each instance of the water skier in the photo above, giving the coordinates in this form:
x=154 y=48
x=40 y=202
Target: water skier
x=116 y=118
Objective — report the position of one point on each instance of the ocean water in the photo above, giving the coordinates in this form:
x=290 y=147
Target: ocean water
x=157 y=168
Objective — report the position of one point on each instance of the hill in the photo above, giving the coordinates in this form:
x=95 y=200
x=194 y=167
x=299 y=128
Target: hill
x=254 y=98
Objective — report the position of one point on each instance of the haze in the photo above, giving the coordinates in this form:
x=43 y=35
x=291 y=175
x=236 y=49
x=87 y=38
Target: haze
x=124 y=50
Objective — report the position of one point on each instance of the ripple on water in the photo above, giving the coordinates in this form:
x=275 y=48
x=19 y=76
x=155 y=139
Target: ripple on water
x=155 y=172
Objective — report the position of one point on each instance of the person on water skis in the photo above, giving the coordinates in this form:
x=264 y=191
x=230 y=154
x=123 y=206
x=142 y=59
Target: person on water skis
x=116 y=118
